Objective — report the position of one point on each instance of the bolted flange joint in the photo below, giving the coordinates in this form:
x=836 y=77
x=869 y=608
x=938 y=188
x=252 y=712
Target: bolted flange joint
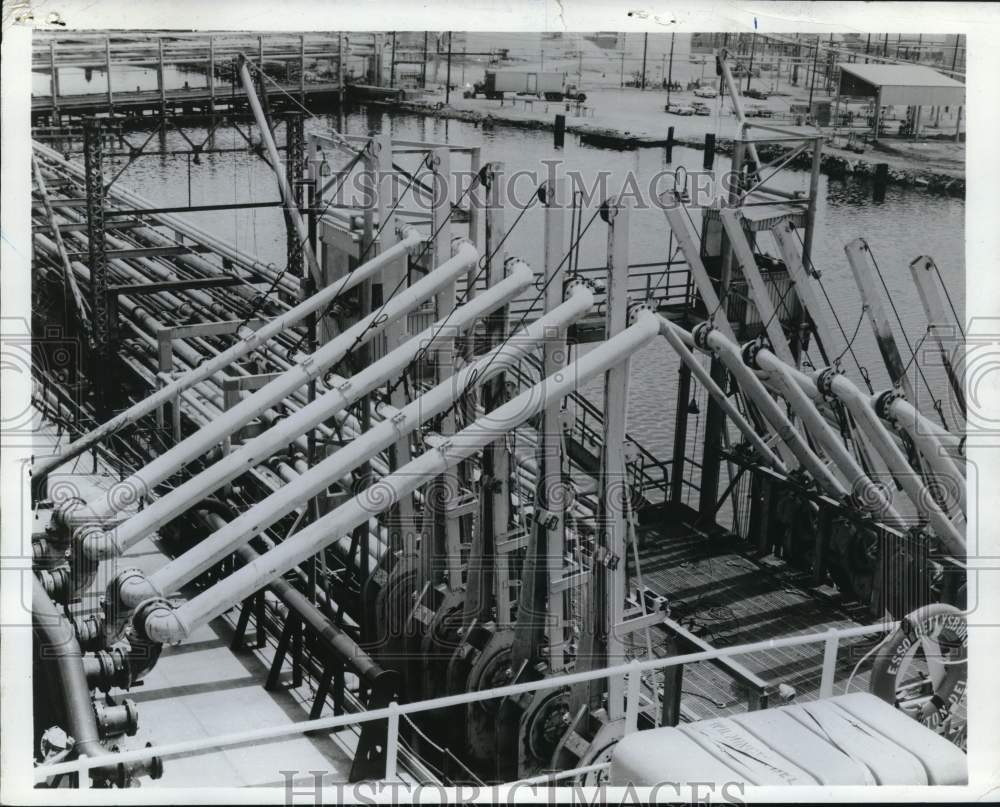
x=153 y=608
x=61 y=515
x=574 y=281
x=700 y=334
x=883 y=403
x=95 y=543
x=824 y=381
x=749 y=353
x=114 y=720
x=638 y=306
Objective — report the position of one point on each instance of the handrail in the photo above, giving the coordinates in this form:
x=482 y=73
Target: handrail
x=589 y=409
x=830 y=639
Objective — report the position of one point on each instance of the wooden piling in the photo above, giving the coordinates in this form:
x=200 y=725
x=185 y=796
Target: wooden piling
x=881 y=181
x=709 y=160
x=560 y=131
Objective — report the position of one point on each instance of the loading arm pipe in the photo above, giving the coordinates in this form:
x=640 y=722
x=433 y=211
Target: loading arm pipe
x=141 y=483
x=287 y=195
x=58 y=641
x=709 y=338
x=863 y=491
x=69 y=276
x=171 y=220
x=218 y=514
x=860 y=406
x=681 y=341
x=249 y=340
x=100 y=544
x=893 y=407
x=931 y=440
x=162 y=623
x=133 y=588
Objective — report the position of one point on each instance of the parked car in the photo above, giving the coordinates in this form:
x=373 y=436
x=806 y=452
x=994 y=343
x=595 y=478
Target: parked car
x=757 y=111
x=753 y=92
x=700 y=108
x=706 y=92
x=678 y=109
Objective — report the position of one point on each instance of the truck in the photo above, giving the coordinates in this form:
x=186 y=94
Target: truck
x=550 y=86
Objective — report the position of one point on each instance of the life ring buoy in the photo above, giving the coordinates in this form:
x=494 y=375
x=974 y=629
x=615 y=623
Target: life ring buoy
x=940 y=632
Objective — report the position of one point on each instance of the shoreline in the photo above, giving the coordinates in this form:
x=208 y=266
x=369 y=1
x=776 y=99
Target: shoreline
x=834 y=164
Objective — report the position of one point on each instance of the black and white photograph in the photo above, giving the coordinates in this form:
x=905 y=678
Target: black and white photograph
x=523 y=412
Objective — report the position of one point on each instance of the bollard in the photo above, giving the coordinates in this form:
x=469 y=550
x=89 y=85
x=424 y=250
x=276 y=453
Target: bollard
x=881 y=180
x=670 y=145
x=560 y=131
x=709 y=150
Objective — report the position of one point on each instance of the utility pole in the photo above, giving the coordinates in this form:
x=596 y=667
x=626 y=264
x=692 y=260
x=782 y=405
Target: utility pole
x=885 y=46
x=645 y=43
x=447 y=89
x=954 y=59
x=753 y=46
x=812 y=82
x=623 y=61
x=670 y=68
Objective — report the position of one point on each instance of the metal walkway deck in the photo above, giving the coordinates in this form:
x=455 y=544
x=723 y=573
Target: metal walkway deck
x=720 y=593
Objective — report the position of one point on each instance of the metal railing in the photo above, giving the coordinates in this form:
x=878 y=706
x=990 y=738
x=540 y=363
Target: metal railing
x=630 y=674
x=652 y=474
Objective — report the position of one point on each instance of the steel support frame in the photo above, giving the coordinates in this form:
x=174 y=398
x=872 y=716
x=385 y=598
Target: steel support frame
x=101 y=326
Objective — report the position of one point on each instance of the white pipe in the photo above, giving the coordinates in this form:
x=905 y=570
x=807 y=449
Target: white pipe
x=287 y=194
x=861 y=407
x=929 y=445
x=141 y=483
x=680 y=340
x=249 y=340
x=864 y=492
x=257 y=450
x=217 y=546
x=730 y=355
x=167 y=219
x=165 y=624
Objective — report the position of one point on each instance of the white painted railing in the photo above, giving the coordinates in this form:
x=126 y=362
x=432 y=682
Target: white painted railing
x=630 y=673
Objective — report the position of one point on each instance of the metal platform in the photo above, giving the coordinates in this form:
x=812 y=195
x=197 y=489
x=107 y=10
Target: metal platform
x=717 y=590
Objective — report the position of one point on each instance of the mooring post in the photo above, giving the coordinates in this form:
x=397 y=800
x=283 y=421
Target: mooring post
x=670 y=145
x=881 y=181
x=560 y=131
x=709 y=158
